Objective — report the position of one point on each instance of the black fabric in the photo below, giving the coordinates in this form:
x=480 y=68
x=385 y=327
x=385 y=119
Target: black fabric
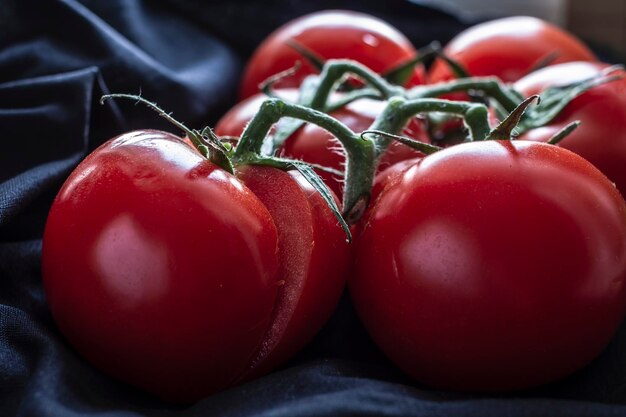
x=56 y=59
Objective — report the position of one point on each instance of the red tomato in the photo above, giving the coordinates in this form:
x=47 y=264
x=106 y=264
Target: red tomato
x=387 y=177
x=314 y=144
x=235 y=120
x=601 y=137
x=330 y=34
x=383 y=180
x=493 y=265
x=313 y=262
x=509 y=48
x=171 y=274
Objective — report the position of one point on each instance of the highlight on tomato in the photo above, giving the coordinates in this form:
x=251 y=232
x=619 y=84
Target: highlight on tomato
x=328 y=34
x=493 y=265
x=510 y=48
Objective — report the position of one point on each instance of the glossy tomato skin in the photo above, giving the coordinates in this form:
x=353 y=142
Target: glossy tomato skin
x=493 y=265
x=314 y=259
x=330 y=34
x=233 y=122
x=147 y=248
x=601 y=136
x=388 y=176
x=382 y=181
x=509 y=48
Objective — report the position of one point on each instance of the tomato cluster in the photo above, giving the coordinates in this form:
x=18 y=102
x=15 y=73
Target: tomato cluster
x=187 y=265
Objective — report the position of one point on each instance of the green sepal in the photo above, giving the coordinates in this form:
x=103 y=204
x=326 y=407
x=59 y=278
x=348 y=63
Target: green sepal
x=210 y=146
x=458 y=70
x=267 y=85
x=501 y=112
x=544 y=61
x=311 y=57
x=563 y=133
x=287 y=126
x=555 y=99
x=423 y=147
x=351 y=96
x=400 y=74
x=504 y=131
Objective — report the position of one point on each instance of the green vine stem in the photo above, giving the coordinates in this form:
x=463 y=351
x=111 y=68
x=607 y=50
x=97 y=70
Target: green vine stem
x=363 y=153
x=360 y=154
x=491 y=87
x=205 y=141
x=336 y=69
x=399 y=111
x=503 y=97
x=423 y=147
x=272 y=110
x=504 y=131
x=316 y=91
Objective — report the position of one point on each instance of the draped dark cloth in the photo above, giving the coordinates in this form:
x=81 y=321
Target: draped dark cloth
x=56 y=59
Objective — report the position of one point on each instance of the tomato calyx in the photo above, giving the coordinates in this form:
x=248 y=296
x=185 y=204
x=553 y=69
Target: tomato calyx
x=504 y=99
x=555 y=99
x=504 y=131
x=401 y=73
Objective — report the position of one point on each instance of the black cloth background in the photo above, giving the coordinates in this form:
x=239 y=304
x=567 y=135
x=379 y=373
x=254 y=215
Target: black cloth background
x=56 y=59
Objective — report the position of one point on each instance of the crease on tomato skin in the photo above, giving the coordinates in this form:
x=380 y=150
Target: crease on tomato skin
x=273 y=187
x=308 y=238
